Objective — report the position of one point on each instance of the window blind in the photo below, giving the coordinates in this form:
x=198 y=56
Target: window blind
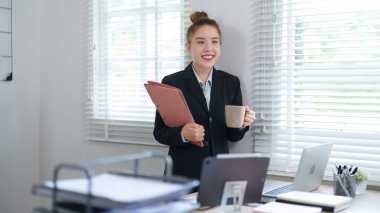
x=133 y=41
x=317 y=80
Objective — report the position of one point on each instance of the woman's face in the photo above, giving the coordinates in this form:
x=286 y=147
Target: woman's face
x=204 y=47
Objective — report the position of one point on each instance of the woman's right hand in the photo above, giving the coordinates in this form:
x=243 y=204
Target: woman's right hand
x=194 y=133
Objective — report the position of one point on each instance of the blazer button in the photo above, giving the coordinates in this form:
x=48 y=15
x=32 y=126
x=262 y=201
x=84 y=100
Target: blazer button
x=205 y=143
x=210 y=119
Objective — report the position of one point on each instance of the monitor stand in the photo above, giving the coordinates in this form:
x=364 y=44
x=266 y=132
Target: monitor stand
x=234 y=191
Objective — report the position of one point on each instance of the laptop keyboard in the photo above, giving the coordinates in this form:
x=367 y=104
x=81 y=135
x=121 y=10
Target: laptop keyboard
x=280 y=190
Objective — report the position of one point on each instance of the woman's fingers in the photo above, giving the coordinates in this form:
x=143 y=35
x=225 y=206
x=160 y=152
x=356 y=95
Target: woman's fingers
x=249 y=117
x=193 y=132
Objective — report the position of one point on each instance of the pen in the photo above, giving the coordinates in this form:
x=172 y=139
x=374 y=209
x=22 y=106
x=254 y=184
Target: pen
x=354 y=171
x=344 y=168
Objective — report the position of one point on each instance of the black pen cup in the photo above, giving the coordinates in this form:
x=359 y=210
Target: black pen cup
x=345 y=185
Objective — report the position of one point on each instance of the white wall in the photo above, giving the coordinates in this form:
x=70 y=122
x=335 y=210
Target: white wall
x=19 y=113
x=42 y=109
x=62 y=31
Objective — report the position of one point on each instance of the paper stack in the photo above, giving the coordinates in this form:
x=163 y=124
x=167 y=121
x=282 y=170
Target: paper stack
x=276 y=207
x=330 y=203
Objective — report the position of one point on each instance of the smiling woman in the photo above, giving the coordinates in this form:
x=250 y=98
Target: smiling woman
x=207 y=91
x=6 y=40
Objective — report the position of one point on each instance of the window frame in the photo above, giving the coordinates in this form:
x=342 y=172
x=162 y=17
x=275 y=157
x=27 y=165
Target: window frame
x=267 y=101
x=99 y=128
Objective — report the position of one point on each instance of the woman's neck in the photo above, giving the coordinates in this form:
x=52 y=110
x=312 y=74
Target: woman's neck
x=202 y=73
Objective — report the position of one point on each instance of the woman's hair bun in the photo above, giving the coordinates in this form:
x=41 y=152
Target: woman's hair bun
x=196 y=16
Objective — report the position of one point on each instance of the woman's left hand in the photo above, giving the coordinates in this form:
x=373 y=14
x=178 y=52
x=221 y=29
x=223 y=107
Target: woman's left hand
x=249 y=116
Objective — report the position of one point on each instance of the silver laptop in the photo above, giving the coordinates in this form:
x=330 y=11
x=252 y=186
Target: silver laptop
x=310 y=171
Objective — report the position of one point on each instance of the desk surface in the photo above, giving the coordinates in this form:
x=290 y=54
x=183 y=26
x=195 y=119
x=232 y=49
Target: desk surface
x=368 y=202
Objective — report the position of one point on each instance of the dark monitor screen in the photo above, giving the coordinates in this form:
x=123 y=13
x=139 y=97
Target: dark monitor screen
x=218 y=171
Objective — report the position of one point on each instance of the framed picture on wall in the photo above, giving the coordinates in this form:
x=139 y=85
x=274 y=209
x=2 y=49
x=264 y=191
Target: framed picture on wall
x=6 y=40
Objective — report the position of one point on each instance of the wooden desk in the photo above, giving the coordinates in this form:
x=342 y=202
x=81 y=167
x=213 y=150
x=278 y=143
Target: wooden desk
x=368 y=202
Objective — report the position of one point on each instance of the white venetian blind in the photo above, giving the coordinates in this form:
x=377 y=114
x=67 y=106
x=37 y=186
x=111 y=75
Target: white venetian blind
x=133 y=41
x=317 y=80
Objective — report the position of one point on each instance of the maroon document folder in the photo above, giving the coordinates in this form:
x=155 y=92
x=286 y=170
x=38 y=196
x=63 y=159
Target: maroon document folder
x=170 y=103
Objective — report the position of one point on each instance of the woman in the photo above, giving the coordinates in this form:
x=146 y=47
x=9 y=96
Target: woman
x=206 y=91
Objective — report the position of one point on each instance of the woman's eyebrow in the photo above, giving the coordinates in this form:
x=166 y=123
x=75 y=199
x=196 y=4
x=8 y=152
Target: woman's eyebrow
x=202 y=38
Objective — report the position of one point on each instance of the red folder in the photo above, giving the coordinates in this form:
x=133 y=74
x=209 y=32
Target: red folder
x=170 y=103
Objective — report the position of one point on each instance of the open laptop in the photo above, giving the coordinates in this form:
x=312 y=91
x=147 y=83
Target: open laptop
x=310 y=171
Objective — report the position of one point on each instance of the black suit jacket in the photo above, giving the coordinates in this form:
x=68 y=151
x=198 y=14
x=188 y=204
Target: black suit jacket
x=225 y=89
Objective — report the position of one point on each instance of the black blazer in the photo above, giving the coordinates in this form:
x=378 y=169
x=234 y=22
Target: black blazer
x=188 y=158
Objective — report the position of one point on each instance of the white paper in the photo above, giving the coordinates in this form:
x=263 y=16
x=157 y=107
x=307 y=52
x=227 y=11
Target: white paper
x=119 y=188
x=275 y=207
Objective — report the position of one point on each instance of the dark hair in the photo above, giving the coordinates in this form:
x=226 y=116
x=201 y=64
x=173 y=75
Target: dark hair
x=199 y=19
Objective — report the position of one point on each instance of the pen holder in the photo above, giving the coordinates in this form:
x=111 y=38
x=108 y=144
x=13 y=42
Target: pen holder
x=345 y=185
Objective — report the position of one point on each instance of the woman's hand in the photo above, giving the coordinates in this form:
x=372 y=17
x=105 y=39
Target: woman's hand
x=194 y=133
x=249 y=116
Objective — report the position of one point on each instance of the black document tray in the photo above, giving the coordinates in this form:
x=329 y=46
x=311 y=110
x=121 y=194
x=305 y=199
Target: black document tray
x=87 y=200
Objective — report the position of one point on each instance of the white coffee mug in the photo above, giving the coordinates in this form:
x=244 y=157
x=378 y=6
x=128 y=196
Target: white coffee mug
x=234 y=116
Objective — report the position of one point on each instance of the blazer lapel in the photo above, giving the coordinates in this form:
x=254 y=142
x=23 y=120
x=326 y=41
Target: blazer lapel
x=217 y=92
x=193 y=86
